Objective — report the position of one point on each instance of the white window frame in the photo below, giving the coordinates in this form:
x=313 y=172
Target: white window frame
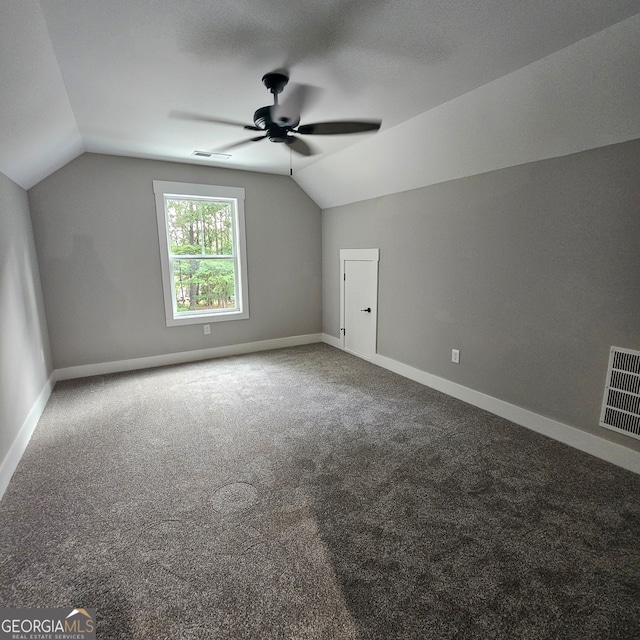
x=185 y=191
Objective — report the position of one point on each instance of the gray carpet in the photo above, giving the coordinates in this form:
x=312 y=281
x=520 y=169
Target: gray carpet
x=304 y=493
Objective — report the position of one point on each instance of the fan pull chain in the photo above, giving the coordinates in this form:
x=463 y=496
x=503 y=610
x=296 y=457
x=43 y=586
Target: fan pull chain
x=290 y=162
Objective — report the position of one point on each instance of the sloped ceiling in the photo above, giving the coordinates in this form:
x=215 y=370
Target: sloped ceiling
x=582 y=97
x=38 y=129
x=106 y=77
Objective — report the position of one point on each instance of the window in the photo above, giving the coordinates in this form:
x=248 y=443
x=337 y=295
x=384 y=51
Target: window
x=202 y=251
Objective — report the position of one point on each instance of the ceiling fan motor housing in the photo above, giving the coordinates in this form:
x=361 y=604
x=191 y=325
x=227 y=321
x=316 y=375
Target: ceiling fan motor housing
x=276 y=131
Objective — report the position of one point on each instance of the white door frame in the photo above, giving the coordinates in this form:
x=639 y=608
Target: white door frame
x=370 y=255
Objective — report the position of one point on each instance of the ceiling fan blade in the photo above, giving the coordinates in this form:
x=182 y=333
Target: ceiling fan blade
x=299 y=97
x=234 y=145
x=184 y=115
x=331 y=128
x=299 y=146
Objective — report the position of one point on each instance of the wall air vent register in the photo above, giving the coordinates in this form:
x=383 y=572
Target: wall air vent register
x=621 y=403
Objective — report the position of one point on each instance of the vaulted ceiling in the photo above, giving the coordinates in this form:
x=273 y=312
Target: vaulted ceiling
x=109 y=77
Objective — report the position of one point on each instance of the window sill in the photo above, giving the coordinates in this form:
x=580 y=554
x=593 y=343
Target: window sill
x=206 y=318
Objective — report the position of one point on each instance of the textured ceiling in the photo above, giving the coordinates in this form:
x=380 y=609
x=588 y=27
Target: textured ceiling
x=90 y=75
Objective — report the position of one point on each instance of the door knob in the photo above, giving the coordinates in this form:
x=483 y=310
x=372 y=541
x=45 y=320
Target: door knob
x=368 y=309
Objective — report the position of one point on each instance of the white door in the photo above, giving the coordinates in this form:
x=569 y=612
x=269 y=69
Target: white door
x=359 y=301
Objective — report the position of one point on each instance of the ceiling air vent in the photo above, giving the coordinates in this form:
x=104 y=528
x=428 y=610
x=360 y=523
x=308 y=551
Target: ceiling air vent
x=621 y=403
x=211 y=154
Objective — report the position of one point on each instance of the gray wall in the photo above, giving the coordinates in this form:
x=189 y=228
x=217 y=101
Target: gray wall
x=25 y=361
x=96 y=234
x=533 y=272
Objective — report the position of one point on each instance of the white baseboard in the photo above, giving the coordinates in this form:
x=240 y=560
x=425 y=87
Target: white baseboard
x=589 y=443
x=116 y=366
x=11 y=460
x=330 y=340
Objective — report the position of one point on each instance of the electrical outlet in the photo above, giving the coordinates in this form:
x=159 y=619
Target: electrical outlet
x=207 y=329
x=455 y=356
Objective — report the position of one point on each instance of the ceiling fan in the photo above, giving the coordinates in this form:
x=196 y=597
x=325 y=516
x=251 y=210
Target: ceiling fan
x=280 y=121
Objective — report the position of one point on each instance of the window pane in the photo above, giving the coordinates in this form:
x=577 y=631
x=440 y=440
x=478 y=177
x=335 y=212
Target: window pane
x=184 y=226
x=217 y=225
x=200 y=227
x=204 y=285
